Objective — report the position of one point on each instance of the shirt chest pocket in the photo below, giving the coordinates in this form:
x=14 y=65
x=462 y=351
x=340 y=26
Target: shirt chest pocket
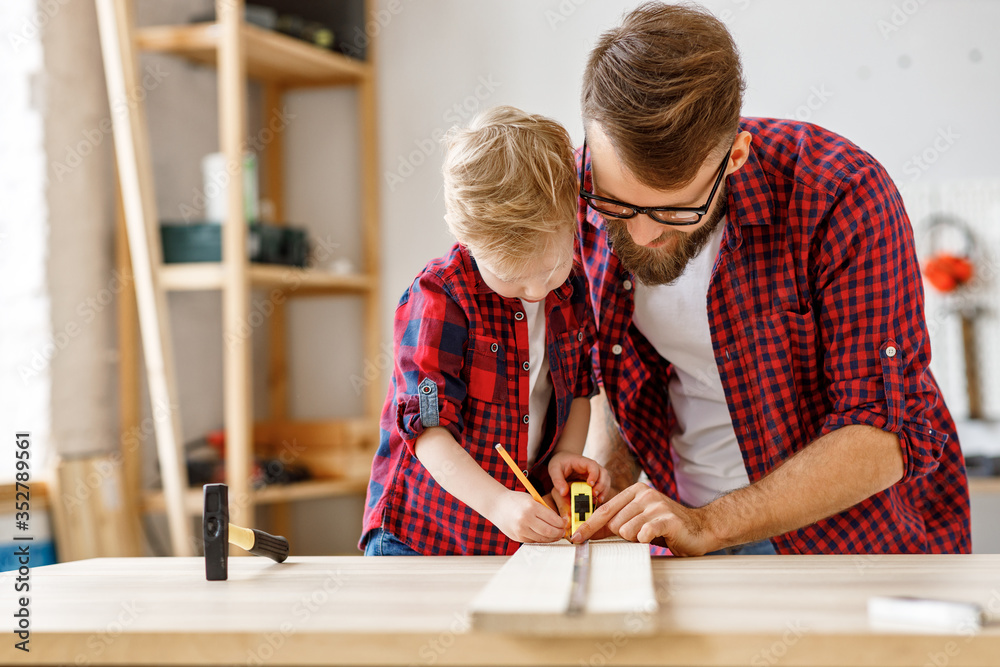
x=570 y=348
x=485 y=371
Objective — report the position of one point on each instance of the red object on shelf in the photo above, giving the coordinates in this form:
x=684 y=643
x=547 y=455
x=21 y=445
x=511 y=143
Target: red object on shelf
x=947 y=272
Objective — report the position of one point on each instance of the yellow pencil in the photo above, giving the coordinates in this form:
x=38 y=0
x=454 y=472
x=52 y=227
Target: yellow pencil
x=520 y=475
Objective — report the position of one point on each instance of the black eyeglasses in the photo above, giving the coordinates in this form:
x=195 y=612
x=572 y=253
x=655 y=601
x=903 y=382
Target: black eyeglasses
x=675 y=216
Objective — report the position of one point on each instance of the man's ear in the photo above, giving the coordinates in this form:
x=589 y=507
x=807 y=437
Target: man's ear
x=740 y=153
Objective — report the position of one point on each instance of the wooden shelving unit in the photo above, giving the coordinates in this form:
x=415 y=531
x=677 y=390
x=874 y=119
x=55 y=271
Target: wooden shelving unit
x=337 y=451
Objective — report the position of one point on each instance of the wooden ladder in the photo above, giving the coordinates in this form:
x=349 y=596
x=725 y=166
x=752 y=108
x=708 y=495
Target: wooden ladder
x=135 y=173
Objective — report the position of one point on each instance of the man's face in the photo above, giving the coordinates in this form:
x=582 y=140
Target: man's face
x=655 y=253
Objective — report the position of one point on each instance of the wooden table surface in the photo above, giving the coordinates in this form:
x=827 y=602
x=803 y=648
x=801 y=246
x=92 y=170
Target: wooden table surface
x=723 y=610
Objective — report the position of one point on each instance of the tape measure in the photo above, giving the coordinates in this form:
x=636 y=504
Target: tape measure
x=581 y=504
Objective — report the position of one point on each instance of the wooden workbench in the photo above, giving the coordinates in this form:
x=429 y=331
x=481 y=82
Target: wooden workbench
x=735 y=610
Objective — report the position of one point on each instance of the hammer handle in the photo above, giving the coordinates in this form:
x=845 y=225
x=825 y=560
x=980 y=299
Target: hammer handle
x=259 y=543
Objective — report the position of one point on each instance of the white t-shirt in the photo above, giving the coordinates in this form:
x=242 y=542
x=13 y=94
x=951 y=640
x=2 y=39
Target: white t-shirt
x=539 y=381
x=674 y=318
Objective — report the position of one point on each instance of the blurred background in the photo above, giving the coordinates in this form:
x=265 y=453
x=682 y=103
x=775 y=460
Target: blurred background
x=915 y=83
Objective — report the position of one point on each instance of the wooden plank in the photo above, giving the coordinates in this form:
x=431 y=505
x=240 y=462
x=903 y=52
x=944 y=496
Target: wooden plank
x=38 y=495
x=135 y=169
x=91 y=516
x=530 y=594
x=271 y=56
x=279 y=493
x=237 y=348
x=984 y=485
x=368 y=121
x=293 y=281
x=338 y=449
x=273 y=186
x=129 y=408
x=721 y=610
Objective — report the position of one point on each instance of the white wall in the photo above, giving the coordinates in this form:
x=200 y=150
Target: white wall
x=889 y=89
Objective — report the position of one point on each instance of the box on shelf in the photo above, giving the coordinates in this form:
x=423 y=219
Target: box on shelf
x=202 y=242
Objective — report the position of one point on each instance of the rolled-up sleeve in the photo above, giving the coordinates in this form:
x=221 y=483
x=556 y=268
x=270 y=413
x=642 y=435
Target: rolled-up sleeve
x=871 y=320
x=430 y=336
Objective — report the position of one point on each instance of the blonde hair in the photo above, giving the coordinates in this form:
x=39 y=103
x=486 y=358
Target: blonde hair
x=510 y=187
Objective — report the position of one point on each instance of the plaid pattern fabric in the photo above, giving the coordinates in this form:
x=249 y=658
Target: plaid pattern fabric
x=817 y=317
x=457 y=340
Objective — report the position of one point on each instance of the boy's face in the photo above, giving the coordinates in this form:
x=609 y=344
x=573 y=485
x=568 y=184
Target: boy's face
x=546 y=273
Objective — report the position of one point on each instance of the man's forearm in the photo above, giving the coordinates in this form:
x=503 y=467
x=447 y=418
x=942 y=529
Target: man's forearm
x=606 y=445
x=833 y=473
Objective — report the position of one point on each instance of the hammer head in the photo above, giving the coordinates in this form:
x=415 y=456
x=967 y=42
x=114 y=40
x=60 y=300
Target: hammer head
x=215 y=529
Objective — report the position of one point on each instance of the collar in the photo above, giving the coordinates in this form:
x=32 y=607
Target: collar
x=749 y=198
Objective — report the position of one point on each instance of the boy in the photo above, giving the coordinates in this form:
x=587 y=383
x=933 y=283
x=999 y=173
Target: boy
x=492 y=346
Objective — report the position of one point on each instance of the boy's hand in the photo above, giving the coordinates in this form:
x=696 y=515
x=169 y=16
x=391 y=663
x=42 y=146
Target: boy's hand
x=565 y=465
x=524 y=519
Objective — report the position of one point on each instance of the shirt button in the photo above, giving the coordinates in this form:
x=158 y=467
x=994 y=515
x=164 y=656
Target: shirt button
x=519 y=316
x=526 y=365
x=627 y=285
x=525 y=419
x=494 y=347
x=616 y=349
x=890 y=351
x=579 y=335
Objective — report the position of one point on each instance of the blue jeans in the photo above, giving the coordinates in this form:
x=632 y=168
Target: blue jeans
x=383 y=543
x=762 y=548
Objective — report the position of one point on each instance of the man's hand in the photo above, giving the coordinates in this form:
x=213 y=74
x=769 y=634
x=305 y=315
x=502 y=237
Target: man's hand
x=564 y=466
x=642 y=514
x=523 y=519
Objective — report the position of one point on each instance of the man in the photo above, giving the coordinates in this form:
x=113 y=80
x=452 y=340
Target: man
x=762 y=349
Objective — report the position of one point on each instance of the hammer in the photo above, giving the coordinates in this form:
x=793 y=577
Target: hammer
x=219 y=534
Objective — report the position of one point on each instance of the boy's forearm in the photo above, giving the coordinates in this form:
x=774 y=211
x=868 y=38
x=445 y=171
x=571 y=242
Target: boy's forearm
x=574 y=435
x=456 y=471
x=606 y=445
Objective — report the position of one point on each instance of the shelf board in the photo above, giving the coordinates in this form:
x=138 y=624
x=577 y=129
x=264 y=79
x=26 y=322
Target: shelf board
x=197 y=276
x=270 y=56
x=989 y=485
x=316 y=488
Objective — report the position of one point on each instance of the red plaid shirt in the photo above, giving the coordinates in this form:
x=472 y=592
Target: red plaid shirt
x=461 y=352
x=816 y=311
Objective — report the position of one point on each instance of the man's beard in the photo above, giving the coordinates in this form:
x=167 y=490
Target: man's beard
x=661 y=266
